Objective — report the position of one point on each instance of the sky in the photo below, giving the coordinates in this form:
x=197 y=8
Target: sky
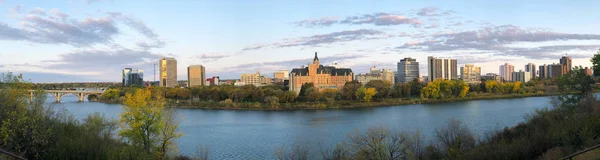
x=93 y=40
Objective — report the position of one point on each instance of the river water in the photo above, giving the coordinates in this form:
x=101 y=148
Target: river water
x=251 y=134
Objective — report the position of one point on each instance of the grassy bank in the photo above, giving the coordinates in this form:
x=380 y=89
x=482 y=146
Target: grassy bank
x=341 y=104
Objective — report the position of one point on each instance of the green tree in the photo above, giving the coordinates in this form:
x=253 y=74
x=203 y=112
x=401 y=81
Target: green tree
x=576 y=82
x=349 y=90
x=415 y=87
x=302 y=96
x=596 y=64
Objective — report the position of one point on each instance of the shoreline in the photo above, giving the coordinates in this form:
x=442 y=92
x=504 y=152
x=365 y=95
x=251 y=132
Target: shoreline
x=340 y=104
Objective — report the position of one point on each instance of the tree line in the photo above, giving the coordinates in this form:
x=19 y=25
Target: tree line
x=32 y=129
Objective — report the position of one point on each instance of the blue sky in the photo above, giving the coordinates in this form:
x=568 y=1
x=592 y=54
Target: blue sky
x=93 y=40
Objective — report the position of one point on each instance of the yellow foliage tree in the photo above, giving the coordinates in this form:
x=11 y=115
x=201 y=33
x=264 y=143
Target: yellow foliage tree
x=490 y=85
x=145 y=122
x=516 y=87
x=369 y=94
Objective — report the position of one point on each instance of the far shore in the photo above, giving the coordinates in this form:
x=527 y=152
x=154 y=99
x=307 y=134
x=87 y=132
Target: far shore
x=186 y=104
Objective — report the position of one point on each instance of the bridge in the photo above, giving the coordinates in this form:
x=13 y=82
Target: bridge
x=81 y=94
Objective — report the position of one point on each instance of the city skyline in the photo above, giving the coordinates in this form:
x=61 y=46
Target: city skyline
x=92 y=40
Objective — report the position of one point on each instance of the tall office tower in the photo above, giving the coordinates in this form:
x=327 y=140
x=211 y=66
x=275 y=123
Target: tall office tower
x=470 y=73
x=530 y=67
x=168 y=72
x=126 y=72
x=567 y=65
x=506 y=71
x=441 y=68
x=196 y=75
x=408 y=70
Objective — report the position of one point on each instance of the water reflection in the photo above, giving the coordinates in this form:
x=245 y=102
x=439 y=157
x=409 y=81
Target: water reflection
x=252 y=134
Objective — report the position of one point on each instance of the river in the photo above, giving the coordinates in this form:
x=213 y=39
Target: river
x=252 y=134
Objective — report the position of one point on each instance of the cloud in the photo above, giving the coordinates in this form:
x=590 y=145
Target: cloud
x=549 y=52
x=317 y=23
x=141 y=28
x=102 y=60
x=38 y=11
x=55 y=29
x=329 y=38
x=152 y=44
x=496 y=39
x=377 y=19
x=266 y=67
x=381 y=19
x=206 y=58
x=433 y=11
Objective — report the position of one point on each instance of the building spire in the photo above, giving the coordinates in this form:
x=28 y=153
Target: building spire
x=316 y=57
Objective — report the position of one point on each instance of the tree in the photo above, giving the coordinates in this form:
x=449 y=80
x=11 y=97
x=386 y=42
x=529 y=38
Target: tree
x=596 y=63
x=330 y=94
x=111 y=94
x=304 y=91
x=383 y=88
x=415 y=87
x=168 y=132
x=455 y=138
x=312 y=94
x=575 y=81
x=349 y=90
x=365 y=94
x=146 y=124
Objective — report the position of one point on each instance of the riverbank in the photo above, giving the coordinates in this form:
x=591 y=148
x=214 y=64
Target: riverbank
x=343 y=104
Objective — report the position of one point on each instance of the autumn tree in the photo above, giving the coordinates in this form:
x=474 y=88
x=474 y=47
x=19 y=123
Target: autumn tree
x=365 y=94
x=383 y=88
x=146 y=124
x=111 y=94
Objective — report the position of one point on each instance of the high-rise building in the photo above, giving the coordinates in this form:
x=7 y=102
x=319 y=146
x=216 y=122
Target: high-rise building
x=530 y=67
x=131 y=77
x=521 y=76
x=255 y=79
x=588 y=71
x=386 y=75
x=555 y=70
x=168 y=72
x=196 y=75
x=280 y=76
x=126 y=73
x=543 y=71
x=470 y=73
x=321 y=76
x=566 y=62
x=440 y=68
x=506 y=71
x=408 y=70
